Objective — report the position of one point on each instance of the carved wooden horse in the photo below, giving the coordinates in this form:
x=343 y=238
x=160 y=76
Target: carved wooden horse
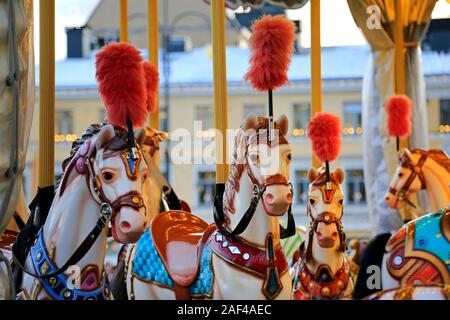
x=421 y=169
x=180 y=256
x=102 y=182
x=323 y=270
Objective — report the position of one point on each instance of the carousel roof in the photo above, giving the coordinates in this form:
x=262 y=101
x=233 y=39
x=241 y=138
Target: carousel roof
x=195 y=67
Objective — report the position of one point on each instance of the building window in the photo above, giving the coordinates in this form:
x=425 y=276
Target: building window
x=205 y=186
x=302 y=114
x=257 y=109
x=352 y=118
x=444 y=120
x=301 y=186
x=205 y=115
x=64 y=122
x=356 y=192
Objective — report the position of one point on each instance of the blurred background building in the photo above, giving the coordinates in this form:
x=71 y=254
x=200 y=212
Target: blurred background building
x=186 y=96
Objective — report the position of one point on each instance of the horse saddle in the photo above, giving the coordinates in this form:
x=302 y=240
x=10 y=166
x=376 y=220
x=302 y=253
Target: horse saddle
x=179 y=238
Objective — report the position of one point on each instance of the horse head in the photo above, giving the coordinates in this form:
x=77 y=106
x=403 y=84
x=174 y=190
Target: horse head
x=114 y=176
x=325 y=212
x=408 y=178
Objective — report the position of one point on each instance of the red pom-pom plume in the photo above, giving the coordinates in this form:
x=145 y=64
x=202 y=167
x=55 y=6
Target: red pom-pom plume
x=152 y=84
x=272 y=45
x=324 y=131
x=398 y=109
x=120 y=76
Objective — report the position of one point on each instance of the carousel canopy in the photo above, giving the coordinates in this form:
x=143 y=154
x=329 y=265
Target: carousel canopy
x=257 y=4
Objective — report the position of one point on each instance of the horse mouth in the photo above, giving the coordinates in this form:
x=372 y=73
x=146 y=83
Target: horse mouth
x=276 y=209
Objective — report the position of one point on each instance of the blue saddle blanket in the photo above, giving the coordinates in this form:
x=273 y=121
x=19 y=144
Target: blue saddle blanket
x=148 y=266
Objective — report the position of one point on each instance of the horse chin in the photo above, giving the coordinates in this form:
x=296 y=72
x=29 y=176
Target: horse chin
x=128 y=226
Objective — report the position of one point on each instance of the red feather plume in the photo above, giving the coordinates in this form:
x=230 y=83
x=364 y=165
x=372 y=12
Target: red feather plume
x=120 y=76
x=324 y=131
x=272 y=45
x=398 y=109
x=152 y=85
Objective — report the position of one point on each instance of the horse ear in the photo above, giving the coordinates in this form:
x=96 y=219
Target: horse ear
x=106 y=134
x=251 y=122
x=312 y=174
x=406 y=152
x=283 y=123
x=140 y=136
x=339 y=174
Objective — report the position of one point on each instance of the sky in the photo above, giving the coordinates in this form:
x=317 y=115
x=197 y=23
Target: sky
x=335 y=15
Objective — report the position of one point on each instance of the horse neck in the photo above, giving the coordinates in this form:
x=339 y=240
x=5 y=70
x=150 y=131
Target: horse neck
x=333 y=258
x=437 y=184
x=72 y=216
x=261 y=224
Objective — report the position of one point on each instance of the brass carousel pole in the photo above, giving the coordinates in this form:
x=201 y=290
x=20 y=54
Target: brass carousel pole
x=124 y=20
x=220 y=87
x=153 y=46
x=47 y=93
x=316 y=68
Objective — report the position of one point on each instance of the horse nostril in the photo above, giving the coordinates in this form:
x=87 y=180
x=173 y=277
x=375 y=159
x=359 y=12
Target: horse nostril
x=125 y=226
x=386 y=198
x=335 y=234
x=269 y=198
x=289 y=197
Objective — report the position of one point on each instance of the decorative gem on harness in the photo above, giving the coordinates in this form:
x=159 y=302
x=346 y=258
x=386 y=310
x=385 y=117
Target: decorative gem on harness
x=57 y=286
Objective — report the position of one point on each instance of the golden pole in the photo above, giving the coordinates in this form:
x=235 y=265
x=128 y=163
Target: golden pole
x=316 y=68
x=220 y=87
x=153 y=46
x=124 y=20
x=47 y=93
x=400 y=87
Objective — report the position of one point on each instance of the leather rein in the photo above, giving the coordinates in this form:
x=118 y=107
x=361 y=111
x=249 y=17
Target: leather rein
x=258 y=191
x=416 y=171
x=83 y=162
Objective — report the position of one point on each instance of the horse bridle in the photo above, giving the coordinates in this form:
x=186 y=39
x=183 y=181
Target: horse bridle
x=327 y=218
x=416 y=171
x=83 y=161
x=258 y=191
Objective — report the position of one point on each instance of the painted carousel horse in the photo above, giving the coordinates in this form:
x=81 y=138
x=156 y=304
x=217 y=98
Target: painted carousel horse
x=323 y=269
x=421 y=169
x=181 y=256
x=417 y=254
x=102 y=183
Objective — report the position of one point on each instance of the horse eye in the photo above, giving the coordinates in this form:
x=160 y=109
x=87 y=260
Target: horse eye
x=108 y=176
x=289 y=157
x=400 y=175
x=312 y=201
x=341 y=202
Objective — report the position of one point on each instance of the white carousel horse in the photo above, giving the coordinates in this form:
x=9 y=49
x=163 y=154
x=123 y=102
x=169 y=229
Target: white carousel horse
x=178 y=253
x=417 y=254
x=323 y=269
x=102 y=182
x=421 y=169
x=413 y=293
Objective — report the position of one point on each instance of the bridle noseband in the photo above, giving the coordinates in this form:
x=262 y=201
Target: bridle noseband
x=416 y=171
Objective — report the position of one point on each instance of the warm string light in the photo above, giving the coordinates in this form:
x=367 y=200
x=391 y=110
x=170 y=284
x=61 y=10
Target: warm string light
x=350 y=131
x=444 y=128
x=65 y=138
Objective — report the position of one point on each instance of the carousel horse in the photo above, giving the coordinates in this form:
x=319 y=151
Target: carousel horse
x=323 y=269
x=102 y=183
x=181 y=256
x=417 y=170
x=417 y=254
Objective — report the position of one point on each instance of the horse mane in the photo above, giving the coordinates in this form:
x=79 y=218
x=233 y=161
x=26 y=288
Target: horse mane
x=232 y=185
x=438 y=155
x=321 y=179
x=120 y=142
